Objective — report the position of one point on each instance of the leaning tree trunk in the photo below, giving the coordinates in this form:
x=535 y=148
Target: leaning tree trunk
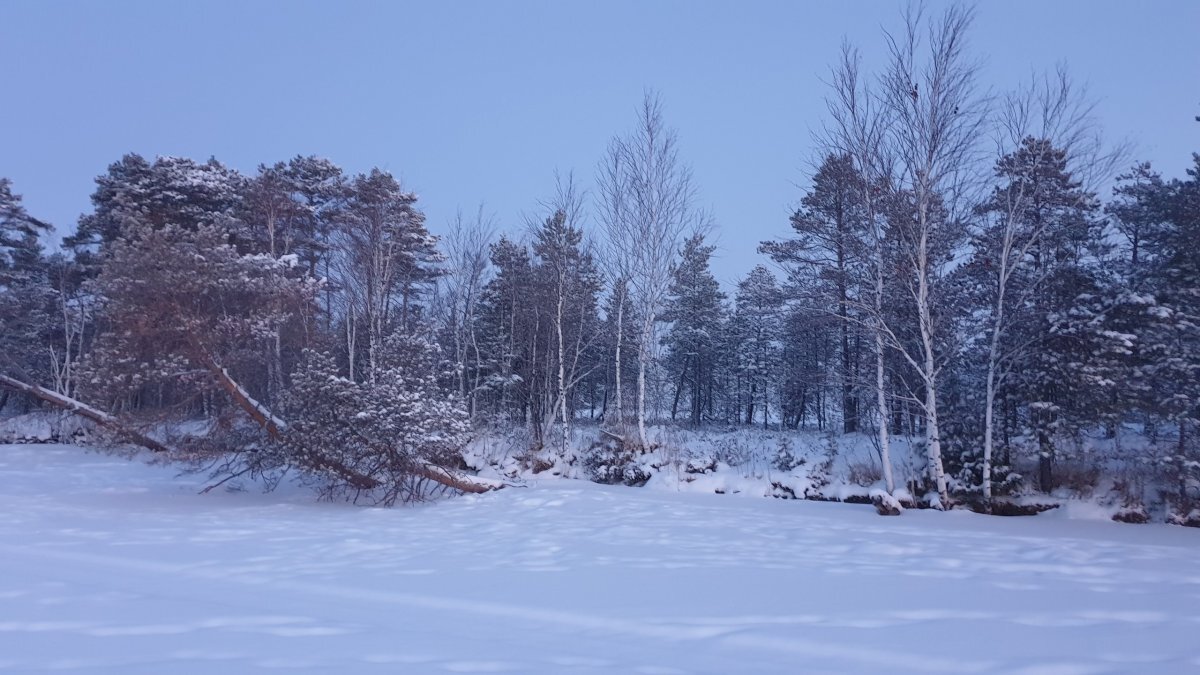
x=84 y=410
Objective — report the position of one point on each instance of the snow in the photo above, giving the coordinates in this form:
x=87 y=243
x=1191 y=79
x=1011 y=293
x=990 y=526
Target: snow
x=109 y=566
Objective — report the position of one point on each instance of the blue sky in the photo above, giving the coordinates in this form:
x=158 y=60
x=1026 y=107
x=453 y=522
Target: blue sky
x=471 y=102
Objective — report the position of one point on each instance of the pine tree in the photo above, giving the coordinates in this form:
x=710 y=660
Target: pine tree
x=827 y=261
x=26 y=297
x=504 y=330
x=571 y=281
x=386 y=261
x=20 y=246
x=757 y=328
x=695 y=313
x=170 y=191
x=1158 y=311
x=186 y=313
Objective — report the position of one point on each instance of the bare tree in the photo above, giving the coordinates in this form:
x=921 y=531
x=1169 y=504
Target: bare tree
x=612 y=208
x=460 y=288
x=76 y=309
x=929 y=91
x=647 y=208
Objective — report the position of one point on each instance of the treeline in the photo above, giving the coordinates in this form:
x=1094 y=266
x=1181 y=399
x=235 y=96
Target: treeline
x=953 y=276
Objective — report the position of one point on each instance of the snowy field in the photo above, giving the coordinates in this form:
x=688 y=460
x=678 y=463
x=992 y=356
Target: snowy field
x=108 y=566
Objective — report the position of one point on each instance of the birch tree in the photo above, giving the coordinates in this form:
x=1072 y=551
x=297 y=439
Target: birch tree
x=647 y=199
x=467 y=271
x=1045 y=133
x=568 y=271
x=929 y=91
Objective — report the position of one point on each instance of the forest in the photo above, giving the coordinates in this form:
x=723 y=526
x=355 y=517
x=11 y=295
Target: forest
x=976 y=283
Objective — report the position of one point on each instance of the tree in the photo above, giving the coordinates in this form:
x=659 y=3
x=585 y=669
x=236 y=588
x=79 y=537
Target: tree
x=619 y=337
x=504 y=330
x=385 y=260
x=186 y=310
x=756 y=323
x=73 y=328
x=460 y=290
x=285 y=211
x=1140 y=212
x=937 y=118
x=695 y=312
x=26 y=297
x=289 y=209
x=20 y=249
x=1037 y=221
x=646 y=207
x=170 y=191
x=1156 y=311
x=1041 y=130
x=568 y=272
x=827 y=259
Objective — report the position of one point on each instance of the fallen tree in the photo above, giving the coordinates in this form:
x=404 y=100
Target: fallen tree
x=275 y=428
x=192 y=313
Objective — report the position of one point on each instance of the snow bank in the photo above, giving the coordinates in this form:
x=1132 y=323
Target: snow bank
x=805 y=465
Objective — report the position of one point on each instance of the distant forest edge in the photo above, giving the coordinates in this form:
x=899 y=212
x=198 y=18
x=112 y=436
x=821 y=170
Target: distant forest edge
x=954 y=277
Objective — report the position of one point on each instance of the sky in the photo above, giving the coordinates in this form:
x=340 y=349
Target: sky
x=472 y=103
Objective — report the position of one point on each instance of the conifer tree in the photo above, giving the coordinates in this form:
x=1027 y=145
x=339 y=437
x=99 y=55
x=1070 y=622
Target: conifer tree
x=695 y=314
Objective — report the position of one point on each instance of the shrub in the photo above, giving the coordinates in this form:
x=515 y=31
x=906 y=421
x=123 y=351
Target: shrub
x=612 y=463
x=865 y=474
x=785 y=459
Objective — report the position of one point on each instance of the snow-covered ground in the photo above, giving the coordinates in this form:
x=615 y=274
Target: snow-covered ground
x=118 y=567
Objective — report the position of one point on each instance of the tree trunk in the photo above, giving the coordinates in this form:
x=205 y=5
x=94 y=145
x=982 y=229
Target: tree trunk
x=885 y=443
x=562 y=375
x=849 y=403
x=679 y=386
x=989 y=426
x=934 y=443
x=929 y=375
x=261 y=415
x=643 y=357
x=1045 y=461
x=750 y=402
x=617 y=356
x=84 y=410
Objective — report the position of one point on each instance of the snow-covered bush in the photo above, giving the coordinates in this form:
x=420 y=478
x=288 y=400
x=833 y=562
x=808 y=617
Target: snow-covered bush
x=613 y=462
